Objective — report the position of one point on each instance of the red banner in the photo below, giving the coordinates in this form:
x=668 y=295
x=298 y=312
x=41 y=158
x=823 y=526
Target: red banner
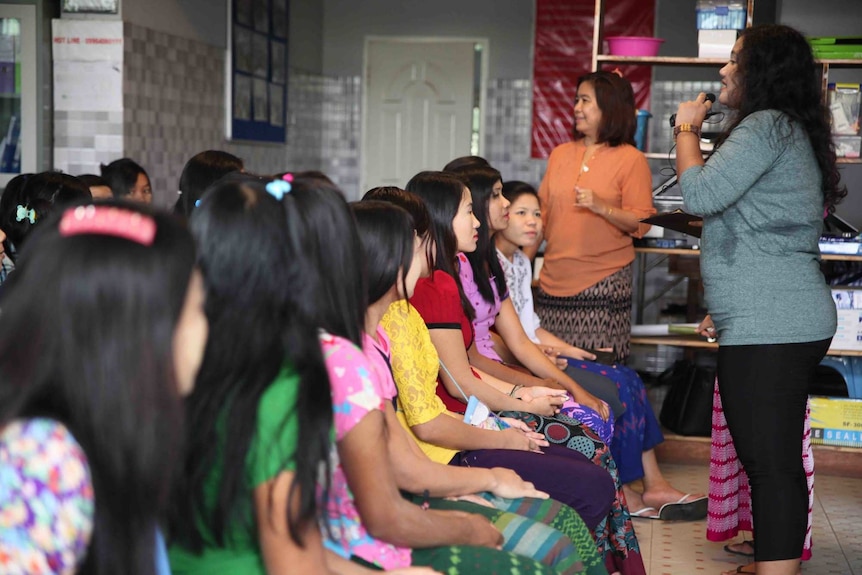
x=563 y=52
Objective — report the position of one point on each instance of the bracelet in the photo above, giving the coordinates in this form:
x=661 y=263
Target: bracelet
x=514 y=389
x=610 y=212
x=686 y=128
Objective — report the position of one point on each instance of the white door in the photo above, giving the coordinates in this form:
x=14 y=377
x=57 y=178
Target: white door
x=419 y=101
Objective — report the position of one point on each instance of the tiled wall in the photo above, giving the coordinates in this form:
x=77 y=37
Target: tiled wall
x=83 y=140
x=507 y=131
x=174 y=108
x=508 y=117
x=342 y=133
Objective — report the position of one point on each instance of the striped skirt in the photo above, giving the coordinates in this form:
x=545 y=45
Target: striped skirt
x=729 y=492
x=598 y=317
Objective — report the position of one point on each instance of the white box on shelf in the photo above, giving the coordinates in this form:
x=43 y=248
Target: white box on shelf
x=716 y=36
x=715 y=43
x=847 y=146
x=848 y=335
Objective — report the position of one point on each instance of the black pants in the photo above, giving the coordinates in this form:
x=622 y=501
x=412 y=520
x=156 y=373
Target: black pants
x=763 y=390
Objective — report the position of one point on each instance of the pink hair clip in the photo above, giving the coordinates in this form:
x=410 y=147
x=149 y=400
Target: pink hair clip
x=108 y=221
x=287 y=177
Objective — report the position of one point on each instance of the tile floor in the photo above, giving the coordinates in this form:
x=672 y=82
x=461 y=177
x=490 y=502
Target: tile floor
x=681 y=548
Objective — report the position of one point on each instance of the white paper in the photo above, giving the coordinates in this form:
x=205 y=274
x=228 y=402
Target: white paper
x=102 y=92
x=87 y=40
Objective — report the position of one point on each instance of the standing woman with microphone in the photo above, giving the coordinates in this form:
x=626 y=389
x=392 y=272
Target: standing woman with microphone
x=595 y=192
x=762 y=194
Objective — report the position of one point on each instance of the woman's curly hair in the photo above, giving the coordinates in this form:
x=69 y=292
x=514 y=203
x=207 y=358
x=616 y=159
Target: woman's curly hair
x=777 y=71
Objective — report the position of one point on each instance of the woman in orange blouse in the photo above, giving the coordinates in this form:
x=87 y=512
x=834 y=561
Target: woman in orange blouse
x=596 y=190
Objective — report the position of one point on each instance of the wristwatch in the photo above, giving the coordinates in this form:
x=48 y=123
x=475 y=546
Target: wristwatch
x=685 y=128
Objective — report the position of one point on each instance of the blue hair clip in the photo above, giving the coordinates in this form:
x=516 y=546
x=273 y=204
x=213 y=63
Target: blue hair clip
x=277 y=188
x=24 y=214
x=197 y=203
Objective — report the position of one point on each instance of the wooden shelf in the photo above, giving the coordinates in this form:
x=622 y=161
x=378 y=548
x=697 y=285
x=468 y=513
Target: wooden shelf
x=668 y=60
x=696 y=341
x=840 y=258
x=696 y=252
x=674 y=340
x=849 y=160
x=669 y=251
x=840 y=62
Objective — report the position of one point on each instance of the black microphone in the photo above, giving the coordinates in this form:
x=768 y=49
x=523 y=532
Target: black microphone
x=709 y=96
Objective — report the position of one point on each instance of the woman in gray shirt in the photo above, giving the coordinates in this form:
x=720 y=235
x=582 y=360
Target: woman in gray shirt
x=763 y=194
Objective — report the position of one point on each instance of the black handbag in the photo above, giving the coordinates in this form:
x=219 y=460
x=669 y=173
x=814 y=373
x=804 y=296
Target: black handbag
x=687 y=407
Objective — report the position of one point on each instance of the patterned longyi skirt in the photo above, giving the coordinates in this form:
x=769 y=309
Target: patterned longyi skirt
x=598 y=317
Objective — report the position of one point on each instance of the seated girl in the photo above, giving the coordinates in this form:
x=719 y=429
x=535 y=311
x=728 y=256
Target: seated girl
x=384 y=526
x=34 y=200
x=444 y=308
x=484 y=285
x=264 y=403
x=638 y=431
x=103 y=331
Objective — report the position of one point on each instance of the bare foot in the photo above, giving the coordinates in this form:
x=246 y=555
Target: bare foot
x=635 y=503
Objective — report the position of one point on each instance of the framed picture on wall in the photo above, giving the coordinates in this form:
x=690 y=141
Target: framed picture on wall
x=258 y=70
x=90 y=6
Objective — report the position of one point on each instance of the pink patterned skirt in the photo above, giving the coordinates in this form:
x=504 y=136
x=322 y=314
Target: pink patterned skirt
x=729 y=493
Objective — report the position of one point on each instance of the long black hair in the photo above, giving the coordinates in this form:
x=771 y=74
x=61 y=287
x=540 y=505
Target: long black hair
x=776 y=71
x=337 y=277
x=484 y=260
x=38 y=196
x=417 y=210
x=254 y=268
x=386 y=233
x=442 y=193
x=200 y=172
x=8 y=208
x=87 y=339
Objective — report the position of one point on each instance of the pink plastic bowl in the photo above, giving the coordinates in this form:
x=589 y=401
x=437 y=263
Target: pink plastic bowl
x=633 y=45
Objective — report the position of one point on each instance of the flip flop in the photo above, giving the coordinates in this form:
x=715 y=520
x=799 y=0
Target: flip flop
x=742 y=553
x=683 y=510
x=645 y=512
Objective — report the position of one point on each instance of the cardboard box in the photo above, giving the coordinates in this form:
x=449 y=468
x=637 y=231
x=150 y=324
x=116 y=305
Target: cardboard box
x=836 y=421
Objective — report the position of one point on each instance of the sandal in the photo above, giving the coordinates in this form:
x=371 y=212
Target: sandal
x=749 y=542
x=683 y=510
x=646 y=513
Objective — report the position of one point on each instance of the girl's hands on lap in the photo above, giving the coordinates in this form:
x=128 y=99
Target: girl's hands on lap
x=520 y=437
x=587 y=399
x=509 y=485
x=472 y=498
x=483 y=533
x=541 y=400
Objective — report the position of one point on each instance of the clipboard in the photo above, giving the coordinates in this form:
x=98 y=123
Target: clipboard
x=678 y=221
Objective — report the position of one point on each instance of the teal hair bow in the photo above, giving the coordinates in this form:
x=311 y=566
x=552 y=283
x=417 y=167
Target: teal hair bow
x=24 y=214
x=277 y=188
